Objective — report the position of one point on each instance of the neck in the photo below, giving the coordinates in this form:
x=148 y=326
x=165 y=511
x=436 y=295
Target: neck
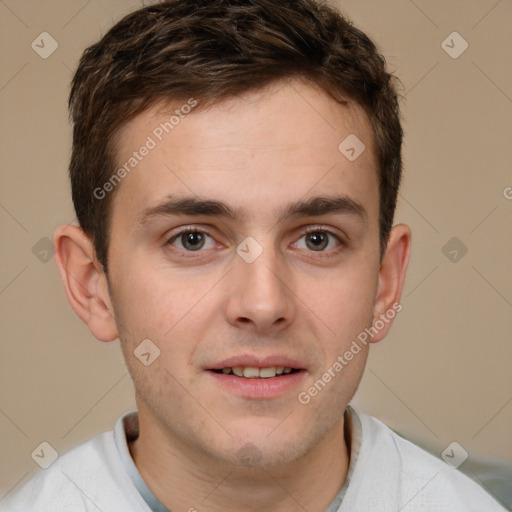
x=183 y=482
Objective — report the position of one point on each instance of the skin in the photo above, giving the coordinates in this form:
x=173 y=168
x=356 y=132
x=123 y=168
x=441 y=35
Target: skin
x=258 y=152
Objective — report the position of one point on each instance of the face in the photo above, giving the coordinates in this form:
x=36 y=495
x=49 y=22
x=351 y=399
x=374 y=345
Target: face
x=224 y=256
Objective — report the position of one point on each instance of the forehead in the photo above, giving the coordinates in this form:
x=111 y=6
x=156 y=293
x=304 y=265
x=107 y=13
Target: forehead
x=267 y=145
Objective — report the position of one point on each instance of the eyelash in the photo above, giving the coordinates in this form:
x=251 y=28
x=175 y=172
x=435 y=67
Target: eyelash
x=308 y=230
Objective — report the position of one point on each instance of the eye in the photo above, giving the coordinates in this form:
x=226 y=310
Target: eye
x=318 y=240
x=192 y=240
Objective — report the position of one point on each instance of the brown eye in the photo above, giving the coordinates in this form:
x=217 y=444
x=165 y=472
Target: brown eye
x=192 y=240
x=317 y=240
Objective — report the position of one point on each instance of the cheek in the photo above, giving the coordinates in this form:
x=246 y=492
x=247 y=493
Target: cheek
x=344 y=303
x=173 y=310
x=153 y=302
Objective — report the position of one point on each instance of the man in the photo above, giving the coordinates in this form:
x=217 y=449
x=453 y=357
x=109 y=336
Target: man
x=235 y=170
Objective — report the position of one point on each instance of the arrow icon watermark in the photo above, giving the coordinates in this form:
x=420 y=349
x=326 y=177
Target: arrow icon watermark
x=146 y=352
x=249 y=250
x=351 y=147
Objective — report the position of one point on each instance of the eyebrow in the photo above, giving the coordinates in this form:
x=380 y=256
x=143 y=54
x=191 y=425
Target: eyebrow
x=312 y=207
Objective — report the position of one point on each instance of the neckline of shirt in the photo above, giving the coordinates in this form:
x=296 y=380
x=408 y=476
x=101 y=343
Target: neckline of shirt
x=127 y=430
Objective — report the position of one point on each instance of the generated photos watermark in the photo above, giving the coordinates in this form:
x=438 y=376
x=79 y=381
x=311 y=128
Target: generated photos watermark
x=157 y=135
x=337 y=366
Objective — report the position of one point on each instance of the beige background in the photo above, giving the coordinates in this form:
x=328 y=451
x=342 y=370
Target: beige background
x=443 y=373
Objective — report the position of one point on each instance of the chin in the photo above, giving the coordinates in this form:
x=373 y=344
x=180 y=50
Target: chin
x=271 y=443
x=265 y=451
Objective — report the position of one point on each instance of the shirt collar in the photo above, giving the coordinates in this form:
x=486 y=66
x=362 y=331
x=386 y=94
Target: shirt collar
x=127 y=429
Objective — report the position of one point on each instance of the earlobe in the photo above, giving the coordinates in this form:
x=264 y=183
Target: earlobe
x=84 y=281
x=391 y=280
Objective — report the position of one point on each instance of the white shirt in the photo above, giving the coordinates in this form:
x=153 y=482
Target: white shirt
x=386 y=473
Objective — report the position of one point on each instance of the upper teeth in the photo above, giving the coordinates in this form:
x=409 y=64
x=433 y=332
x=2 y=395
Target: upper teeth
x=251 y=372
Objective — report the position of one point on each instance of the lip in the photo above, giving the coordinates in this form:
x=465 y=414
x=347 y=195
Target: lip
x=258 y=362
x=262 y=389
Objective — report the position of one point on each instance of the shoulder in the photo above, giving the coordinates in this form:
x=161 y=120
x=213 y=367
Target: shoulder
x=395 y=474
x=87 y=477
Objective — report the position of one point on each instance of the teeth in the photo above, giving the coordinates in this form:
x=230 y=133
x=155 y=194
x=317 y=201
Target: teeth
x=238 y=371
x=265 y=373
x=251 y=372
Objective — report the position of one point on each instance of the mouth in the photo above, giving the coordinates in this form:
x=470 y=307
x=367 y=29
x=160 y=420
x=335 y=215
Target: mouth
x=253 y=372
x=258 y=378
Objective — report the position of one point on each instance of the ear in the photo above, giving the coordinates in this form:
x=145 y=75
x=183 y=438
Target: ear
x=391 y=281
x=84 y=281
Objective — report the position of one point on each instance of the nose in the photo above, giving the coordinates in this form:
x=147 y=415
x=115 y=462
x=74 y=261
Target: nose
x=261 y=296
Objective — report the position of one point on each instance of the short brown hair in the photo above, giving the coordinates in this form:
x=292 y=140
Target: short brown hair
x=215 y=49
